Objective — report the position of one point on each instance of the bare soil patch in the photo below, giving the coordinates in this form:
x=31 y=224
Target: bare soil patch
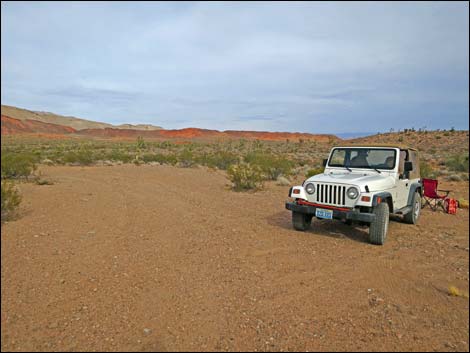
x=145 y=258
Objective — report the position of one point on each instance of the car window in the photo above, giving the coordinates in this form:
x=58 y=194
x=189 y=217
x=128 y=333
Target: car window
x=337 y=159
x=363 y=158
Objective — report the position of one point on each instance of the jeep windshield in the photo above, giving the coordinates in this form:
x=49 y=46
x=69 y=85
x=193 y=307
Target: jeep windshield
x=369 y=158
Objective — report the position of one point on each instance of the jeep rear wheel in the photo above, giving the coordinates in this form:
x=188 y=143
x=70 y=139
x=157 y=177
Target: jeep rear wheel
x=412 y=216
x=379 y=227
x=301 y=221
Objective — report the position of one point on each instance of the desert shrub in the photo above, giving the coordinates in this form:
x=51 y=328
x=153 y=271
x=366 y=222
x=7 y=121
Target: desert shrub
x=11 y=199
x=82 y=157
x=186 y=158
x=458 y=163
x=160 y=158
x=272 y=166
x=245 y=176
x=221 y=160
x=170 y=159
x=140 y=143
x=315 y=171
x=118 y=155
x=18 y=165
x=426 y=170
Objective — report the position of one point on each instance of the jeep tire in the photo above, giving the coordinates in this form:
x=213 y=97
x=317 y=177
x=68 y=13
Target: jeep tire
x=301 y=221
x=413 y=216
x=378 y=228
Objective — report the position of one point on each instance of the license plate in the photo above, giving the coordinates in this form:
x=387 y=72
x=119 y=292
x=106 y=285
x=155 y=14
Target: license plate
x=322 y=213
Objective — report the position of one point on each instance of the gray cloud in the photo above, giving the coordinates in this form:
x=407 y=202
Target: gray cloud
x=319 y=67
x=92 y=94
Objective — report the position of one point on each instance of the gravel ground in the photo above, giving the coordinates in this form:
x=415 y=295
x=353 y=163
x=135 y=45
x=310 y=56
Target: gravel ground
x=145 y=258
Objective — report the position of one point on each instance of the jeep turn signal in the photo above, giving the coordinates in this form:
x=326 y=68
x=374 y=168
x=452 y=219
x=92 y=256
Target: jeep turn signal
x=296 y=191
x=365 y=198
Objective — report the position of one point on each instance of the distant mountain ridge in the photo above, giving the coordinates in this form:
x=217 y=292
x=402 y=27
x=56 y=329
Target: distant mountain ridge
x=70 y=121
x=20 y=121
x=196 y=133
x=11 y=126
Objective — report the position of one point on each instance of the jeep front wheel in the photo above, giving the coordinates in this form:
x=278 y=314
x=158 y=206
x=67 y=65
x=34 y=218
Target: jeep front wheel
x=412 y=216
x=378 y=228
x=301 y=221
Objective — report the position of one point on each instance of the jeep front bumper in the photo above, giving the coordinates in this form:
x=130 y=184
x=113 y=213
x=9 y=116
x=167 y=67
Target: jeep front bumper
x=352 y=214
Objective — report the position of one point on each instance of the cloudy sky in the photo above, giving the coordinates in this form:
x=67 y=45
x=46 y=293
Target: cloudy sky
x=312 y=67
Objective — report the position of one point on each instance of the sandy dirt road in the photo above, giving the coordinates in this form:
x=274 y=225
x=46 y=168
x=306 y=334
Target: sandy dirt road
x=162 y=258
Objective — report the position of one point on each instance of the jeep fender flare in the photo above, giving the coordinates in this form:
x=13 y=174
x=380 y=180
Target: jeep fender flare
x=383 y=196
x=413 y=188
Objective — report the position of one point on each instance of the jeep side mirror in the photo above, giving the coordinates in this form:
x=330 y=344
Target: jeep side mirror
x=325 y=161
x=408 y=166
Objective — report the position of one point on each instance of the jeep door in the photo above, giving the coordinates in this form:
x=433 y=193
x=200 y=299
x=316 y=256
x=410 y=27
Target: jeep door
x=403 y=182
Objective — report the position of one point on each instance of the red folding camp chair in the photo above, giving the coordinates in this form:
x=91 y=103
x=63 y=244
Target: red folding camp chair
x=431 y=197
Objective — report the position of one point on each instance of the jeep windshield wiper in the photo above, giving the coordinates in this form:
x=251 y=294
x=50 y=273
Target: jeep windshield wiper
x=378 y=171
x=345 y=166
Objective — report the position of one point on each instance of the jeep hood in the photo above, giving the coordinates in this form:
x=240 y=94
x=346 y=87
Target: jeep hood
x=375 y=182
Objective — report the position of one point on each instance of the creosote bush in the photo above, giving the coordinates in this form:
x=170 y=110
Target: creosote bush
x=11 y=199
x=425 y=170
x=18 y=165
x=458 y=163
x=82 y=156
x=272 y=166
x=245 y=176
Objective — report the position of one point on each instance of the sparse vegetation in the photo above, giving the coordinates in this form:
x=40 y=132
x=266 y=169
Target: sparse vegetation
x=20 y=155
x=426 y=170
x=271 y=166
x=82 y=156
x=245 y=176
x=141 y=143
x=458 y=163
x=11 y=199
x=18 y=165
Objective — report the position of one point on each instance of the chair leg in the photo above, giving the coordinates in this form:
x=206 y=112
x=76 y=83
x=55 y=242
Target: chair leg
x=442 y=203
x=427 y=203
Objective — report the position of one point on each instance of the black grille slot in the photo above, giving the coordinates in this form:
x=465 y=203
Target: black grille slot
x=331 y=194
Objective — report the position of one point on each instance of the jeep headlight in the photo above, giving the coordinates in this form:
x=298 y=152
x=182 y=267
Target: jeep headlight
x=310 y=188
x=352 y=192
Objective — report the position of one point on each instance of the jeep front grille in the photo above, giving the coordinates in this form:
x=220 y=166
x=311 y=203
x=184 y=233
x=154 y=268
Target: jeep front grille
x=331 y=194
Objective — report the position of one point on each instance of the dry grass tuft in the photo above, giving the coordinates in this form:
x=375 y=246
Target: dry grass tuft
x=455 y=292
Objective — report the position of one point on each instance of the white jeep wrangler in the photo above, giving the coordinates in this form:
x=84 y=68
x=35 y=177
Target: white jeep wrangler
x=362 y=184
